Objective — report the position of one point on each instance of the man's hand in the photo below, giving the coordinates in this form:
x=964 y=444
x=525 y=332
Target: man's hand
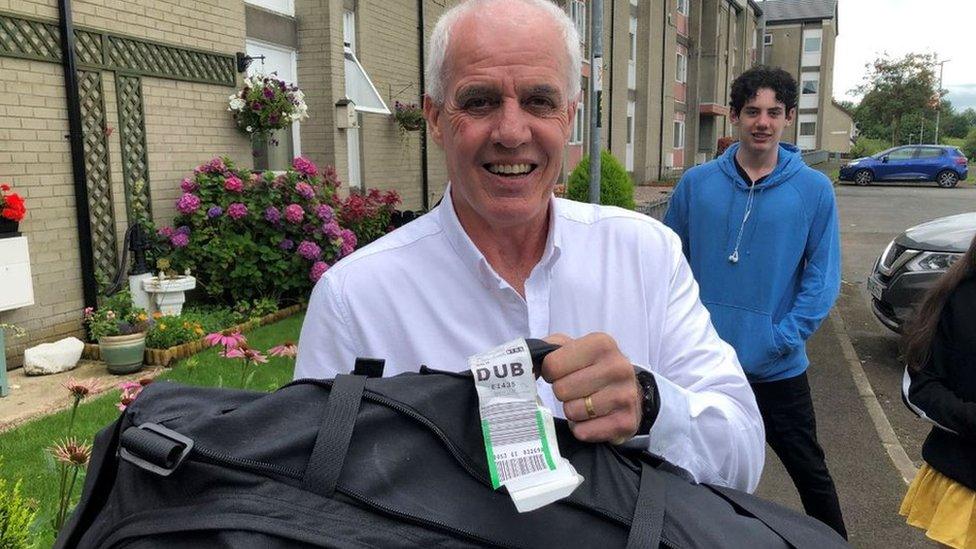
x=592 y=366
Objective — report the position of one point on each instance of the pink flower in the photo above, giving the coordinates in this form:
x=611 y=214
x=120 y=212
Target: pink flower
x=188 y=185
x=324 y=212
x=318 y=269
x=304 y=166
x=309 y=249
x=304 y=190
x=188 y=203
x=348 y=237
x=130 y=390
x=236 y=210
x=165 y=232
x=179 y=240
x=215 y=165
x=81 y=389
x=272 y=214
x=294 y=213
x=286 y=349
x=246 y=353
x=233 y=184
x=232 y=340
x=332 y=230
x=88 y=312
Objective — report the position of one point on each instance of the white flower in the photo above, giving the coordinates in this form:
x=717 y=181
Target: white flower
x=249 y=129
x=236 y=103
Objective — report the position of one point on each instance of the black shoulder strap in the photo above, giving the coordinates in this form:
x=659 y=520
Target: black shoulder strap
x=335 y=432
x=648 y=521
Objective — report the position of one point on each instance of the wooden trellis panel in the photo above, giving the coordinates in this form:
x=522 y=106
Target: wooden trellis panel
x=135 y=161
x=102 y=215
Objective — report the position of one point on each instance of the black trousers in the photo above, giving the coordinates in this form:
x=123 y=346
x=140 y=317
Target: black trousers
x=791 y=431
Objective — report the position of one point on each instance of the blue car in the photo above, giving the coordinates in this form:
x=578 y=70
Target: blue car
x=943 y=164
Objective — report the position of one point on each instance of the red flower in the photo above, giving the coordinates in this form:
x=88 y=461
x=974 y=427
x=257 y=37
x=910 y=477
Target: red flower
x=4 y=187
x=13 y=207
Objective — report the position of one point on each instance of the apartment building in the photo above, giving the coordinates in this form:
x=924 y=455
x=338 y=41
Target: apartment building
x=801 y=37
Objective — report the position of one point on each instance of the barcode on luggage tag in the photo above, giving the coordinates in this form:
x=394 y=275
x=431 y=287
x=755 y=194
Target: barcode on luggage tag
x=516 y=440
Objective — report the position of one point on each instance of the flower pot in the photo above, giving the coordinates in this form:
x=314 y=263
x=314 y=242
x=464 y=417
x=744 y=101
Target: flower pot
x=168 y=294
x=8 y=227
x=123 y=354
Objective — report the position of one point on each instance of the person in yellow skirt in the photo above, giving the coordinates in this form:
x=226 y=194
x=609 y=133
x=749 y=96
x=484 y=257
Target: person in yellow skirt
x=940 y=386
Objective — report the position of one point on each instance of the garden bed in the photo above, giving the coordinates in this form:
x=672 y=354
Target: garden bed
x=162 y=357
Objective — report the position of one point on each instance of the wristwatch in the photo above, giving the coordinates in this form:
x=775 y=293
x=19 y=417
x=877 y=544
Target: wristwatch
x=650 y=403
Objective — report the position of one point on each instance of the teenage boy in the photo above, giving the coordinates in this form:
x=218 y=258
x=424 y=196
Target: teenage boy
x=759 y=229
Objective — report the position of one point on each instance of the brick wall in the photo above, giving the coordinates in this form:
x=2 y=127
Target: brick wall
x=186 y=124
x=35 y=159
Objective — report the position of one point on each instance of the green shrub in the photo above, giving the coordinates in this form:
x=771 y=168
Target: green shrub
x=866 y=147
x=616 y=187
x=969 y=145
x=17 y=513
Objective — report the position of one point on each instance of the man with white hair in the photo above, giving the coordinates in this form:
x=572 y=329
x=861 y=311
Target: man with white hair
x=501 y=258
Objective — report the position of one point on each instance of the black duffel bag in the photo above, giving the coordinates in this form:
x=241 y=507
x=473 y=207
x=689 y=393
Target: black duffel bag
x=381 y=462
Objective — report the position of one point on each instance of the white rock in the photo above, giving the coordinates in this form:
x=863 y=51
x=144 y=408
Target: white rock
x=51 y=358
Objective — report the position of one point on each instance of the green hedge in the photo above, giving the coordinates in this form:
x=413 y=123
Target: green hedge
x=616 y=187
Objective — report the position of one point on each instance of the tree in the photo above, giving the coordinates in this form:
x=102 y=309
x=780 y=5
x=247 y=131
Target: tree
x=897 y=92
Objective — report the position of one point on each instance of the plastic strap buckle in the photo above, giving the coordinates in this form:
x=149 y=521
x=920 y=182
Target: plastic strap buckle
x=154 y=448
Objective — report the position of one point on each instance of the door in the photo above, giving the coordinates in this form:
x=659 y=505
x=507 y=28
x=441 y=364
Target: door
x=898 y=166
x=929 y=162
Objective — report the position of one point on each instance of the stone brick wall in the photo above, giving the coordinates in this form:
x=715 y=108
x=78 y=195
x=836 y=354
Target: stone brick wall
x=186 y=124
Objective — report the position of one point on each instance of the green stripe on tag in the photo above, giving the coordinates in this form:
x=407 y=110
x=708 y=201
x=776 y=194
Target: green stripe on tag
x=490 y=454
x=545 y=441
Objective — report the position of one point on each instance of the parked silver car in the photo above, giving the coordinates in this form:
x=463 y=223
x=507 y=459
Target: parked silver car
x=913 y=261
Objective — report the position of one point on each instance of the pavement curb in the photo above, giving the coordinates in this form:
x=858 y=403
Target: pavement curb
x=896 y=452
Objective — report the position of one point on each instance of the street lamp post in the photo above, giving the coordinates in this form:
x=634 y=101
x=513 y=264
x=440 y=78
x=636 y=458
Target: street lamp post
x=938 y=106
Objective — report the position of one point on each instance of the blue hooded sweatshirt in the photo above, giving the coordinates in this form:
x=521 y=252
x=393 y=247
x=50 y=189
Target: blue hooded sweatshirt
x=767 y=260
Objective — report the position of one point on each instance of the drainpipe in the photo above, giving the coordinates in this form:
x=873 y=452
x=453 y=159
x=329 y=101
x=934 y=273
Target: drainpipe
x=82 y=213
x=424 y=184
x=664 y=95
x=613 y=34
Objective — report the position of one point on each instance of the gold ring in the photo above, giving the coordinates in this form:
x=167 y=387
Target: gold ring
x=590 y=411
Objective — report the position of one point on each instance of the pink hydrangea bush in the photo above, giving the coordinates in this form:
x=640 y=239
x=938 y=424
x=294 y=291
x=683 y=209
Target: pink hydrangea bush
x=246 y=236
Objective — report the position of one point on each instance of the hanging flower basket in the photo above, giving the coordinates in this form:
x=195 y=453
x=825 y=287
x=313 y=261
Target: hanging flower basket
x=408 y=117
x=265 y=104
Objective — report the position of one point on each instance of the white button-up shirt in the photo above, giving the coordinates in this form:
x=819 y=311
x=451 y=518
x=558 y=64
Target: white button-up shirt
x=424 y=294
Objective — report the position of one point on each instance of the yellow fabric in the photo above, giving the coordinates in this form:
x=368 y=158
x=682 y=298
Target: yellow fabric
x=945 y=509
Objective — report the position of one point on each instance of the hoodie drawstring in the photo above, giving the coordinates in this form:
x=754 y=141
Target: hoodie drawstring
x=734 y=256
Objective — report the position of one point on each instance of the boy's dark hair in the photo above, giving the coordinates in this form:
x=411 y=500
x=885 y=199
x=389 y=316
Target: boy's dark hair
x=749 y=83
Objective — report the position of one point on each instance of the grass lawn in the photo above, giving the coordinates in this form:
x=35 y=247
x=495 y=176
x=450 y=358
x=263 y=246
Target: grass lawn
x=23 y=452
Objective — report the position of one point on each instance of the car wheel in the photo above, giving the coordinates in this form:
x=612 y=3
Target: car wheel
x=947 y=179
x=863 y=177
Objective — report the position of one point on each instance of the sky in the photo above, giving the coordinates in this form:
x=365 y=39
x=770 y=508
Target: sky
x=869 y=28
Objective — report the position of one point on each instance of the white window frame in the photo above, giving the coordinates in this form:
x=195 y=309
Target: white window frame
x=632 y=61
x=286 y=7
x=679 y=134
x=579 y=123
x=807 y=39
x=631 y=135
x=811 y=58
x=577 y=12
x=768 y=39
x=682 y=7
x=681 y=67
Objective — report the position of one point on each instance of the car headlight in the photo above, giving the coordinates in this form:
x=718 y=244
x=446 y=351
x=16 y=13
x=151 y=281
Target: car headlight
x=854 y=163
x=932 y=261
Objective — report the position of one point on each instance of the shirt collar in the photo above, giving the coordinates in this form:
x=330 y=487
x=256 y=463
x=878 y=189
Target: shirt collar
x=472 y=257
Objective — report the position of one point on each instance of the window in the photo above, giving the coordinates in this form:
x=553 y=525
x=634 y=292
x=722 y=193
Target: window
x=679 y=134
x=629 y=151
x=811 y=44
x=767 y=39
x=808 y=128
x=810 y=87
x=903 y=153
x=681 y=70
x=579 y=123
x=286 y=7
x=682 y=7
x=929 y=152
x=577 y=12
x=632 y=62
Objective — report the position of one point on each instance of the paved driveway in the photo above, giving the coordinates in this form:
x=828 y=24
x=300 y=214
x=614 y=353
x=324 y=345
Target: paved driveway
x=869 y=218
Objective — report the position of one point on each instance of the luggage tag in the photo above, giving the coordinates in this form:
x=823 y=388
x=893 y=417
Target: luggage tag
x=520 y=437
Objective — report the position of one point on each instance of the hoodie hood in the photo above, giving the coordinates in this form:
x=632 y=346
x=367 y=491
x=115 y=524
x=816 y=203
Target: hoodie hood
x=789 y=161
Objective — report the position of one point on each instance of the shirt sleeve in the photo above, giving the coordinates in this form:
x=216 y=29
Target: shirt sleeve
x=709 y=423
x=325 y=341
x=820 y=281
